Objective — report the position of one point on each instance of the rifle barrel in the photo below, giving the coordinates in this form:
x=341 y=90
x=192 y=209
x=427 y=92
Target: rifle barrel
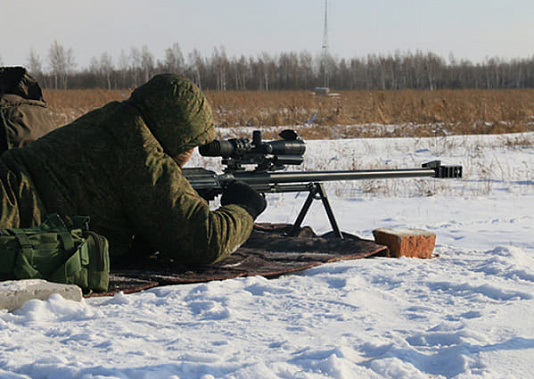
x=294 y=181
x=322 y=176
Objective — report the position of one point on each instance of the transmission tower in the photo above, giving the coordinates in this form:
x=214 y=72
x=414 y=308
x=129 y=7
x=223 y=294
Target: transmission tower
x=325 y=46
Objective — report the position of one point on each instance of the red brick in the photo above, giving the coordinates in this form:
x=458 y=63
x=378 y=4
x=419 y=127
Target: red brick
x=414 y=243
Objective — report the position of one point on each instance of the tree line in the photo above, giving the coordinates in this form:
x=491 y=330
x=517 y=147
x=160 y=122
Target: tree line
x=283 y=71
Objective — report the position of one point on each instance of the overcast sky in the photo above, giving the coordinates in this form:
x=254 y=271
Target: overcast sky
x=470 y=29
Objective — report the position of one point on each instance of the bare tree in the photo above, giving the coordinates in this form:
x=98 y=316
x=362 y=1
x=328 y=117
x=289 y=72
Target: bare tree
x=433 y=68
x=289 y=70
x=61 y=63
x=102 y=69
x=198 y=67
x=220 y=67
x=147 y=62
x=174 y=59
x=305 y=73
x=239 y=70
x=34 y=63
x=106 y=68
x=123 y=68
x=135 y=65
x=267 y=69
x=93 y=66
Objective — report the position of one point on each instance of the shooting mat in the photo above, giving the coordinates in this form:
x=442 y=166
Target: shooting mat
x=268 y=252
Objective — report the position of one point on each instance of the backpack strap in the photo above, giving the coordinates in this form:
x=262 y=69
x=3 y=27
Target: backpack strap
x=56 y=224
x=24 y=268
x=25 y=245
x=66 y=239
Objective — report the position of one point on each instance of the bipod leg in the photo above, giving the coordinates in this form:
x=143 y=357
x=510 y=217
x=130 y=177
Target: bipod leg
x=328 y=209
x=317 y=192
x=305 y=208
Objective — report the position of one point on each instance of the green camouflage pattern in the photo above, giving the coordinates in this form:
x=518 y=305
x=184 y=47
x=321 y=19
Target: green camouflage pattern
x=24 y=116
x=115 y=165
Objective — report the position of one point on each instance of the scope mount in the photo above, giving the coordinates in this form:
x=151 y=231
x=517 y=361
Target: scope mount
x=267 y=156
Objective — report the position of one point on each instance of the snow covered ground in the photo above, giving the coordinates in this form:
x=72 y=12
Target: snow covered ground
x=467 y=314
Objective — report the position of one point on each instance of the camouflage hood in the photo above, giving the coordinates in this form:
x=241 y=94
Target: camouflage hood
x=17 y=81
x=176 y=112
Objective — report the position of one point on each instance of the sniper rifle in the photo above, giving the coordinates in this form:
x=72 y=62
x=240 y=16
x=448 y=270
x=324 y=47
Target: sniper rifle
x=270 y=157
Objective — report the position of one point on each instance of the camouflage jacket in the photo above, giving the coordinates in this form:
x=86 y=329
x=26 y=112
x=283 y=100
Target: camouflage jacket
x=115 y=165
x=24 y=116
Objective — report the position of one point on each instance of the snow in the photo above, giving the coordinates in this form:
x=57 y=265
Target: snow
x=466 y=314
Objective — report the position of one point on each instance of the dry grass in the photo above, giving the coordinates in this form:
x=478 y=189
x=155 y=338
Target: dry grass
x=351 y=114
x=67 y=106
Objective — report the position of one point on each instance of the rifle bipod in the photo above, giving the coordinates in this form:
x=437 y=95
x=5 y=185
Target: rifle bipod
x=316 y=192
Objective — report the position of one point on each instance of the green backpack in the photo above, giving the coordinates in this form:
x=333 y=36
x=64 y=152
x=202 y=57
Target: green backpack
x=53 y=252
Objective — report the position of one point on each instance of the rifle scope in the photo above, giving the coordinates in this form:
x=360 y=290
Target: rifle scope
x=238 y=148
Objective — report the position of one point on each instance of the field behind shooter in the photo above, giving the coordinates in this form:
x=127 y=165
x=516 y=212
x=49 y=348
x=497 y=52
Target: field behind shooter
x=347 y=114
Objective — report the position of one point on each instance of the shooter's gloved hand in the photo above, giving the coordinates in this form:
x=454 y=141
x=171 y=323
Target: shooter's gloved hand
x=240 y=193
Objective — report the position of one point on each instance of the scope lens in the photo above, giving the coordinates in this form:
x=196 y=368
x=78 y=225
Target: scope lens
x=216 y=149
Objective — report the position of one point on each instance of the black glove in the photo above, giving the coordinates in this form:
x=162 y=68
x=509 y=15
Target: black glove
x=240 y=193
